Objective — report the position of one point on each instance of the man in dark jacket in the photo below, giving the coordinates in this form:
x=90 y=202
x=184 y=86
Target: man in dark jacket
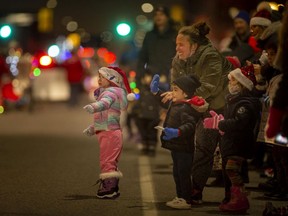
x=158 y=47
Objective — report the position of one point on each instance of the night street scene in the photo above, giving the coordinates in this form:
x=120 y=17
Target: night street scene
x=149 y=108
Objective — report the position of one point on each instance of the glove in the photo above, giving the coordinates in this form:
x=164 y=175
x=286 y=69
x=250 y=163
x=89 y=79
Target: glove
x=89 y=108
x=170 y=133
x=197 y=101
x=154 y=85
x=274 y=122
x=212 y=123
x=89 y=131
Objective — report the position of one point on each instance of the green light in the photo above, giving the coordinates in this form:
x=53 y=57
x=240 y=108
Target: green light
x=1 y=109
x=5 y=31
x=133 y=85
x=36 y=72
x=123 y=29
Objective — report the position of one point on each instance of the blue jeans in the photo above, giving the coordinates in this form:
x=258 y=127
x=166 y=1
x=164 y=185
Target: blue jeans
x=182 y=165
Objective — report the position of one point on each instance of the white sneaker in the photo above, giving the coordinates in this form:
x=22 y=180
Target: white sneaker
x=178 y=203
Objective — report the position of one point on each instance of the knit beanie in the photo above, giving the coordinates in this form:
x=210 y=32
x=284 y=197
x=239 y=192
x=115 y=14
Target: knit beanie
x=244 y=16
x=188 y=84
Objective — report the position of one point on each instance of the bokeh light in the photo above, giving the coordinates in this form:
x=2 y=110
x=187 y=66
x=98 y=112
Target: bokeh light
x=133 y=85
x=72 y=26
x=45 y=60
x=101 y=52
x=53 y=51
x=5 y=31
x=147 y=8
x=1 y=109
x=36 y=72
x=110 y=57
x=132 y=74
x=123 y=29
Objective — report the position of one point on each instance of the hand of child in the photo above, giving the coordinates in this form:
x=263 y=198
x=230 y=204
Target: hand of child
x=170 y=133
x=212 y=123
x=89 y=108
x=154 y=85
x=89 y=131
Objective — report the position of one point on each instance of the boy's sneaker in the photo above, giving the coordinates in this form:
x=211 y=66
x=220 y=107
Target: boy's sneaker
x=178 y=203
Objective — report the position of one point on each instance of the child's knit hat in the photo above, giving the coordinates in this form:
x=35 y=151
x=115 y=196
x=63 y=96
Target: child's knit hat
x=118 y=78
x=188 y=84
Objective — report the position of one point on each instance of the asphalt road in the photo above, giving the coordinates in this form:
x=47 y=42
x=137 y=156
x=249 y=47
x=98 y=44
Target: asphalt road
x=49 y=168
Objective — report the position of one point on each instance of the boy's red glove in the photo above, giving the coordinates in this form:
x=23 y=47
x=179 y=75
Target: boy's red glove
x=197 y=101
x=274 y=122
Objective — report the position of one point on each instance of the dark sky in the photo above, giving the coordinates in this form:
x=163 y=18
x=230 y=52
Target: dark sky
x=93 y=15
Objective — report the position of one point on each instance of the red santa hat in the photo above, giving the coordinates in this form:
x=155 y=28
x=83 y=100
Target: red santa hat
x=118 y=78
x=245 y=76
x=261 y=18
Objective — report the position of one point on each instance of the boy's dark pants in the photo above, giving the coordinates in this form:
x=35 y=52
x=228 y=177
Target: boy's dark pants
x=182 y=165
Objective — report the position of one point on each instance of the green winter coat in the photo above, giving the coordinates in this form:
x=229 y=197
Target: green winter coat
x=212 y=69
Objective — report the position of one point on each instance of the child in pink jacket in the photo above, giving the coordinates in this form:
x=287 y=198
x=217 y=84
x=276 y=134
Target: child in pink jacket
x=111 y=99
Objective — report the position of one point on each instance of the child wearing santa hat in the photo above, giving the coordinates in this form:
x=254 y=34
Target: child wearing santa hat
x=237 y=128
x=111 y=98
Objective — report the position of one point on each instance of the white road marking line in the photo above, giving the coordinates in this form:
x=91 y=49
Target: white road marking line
x=146 y=185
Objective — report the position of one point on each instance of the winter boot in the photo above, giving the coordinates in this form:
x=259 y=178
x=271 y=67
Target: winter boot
x=109 y=185
x=238 y=202
x=226 y=199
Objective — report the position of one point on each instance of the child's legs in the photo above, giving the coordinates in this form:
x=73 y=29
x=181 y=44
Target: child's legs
x=110 y=149
x=233 y=170
x=182 y=165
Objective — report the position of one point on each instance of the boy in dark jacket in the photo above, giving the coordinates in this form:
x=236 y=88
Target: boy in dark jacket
x=237 y=127
x=178 y=134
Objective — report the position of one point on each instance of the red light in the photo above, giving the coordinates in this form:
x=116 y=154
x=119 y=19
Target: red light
x=132 y=74
x=110 y=57
x=86 y=52
x=101 y=52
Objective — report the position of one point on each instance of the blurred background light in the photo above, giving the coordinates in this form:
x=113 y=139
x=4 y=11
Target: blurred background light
x=147 y=8
x=53 y=50
x=5 y=31
x=72 y=26
x=45 y=60
x=123 y=29
x=1 y=109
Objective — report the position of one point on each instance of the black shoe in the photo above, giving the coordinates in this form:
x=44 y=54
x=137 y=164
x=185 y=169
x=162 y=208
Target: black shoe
x=197 y=198
x=269 y=185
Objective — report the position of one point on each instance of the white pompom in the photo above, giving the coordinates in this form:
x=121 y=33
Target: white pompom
x=131 y=97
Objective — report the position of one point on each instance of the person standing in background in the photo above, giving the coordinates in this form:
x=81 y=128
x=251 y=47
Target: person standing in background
x=75 y=74
x=241 y=44
x=158 y=47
